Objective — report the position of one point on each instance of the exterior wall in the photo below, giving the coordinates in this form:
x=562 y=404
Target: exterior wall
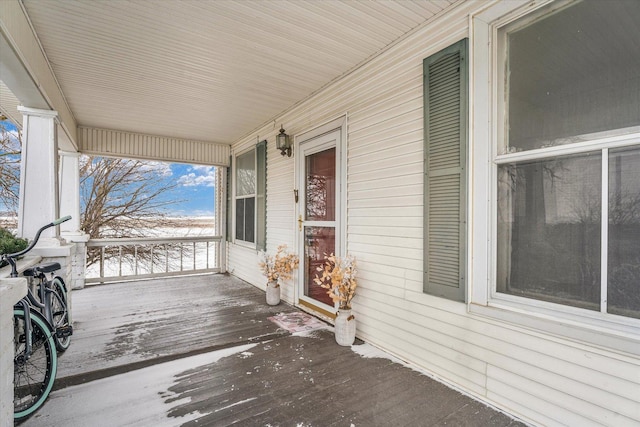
x=543 y=378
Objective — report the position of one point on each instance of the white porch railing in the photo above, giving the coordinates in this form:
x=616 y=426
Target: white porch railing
x=137 y=258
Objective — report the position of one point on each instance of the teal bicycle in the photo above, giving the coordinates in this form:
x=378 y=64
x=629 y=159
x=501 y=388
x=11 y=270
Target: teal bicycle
x=41 y=329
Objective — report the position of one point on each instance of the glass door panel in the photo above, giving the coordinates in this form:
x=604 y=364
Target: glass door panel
x=318 y=242
x=318 y=214
x=320 y=186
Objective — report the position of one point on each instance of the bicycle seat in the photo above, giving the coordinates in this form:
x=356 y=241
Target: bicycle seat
x=42 y=268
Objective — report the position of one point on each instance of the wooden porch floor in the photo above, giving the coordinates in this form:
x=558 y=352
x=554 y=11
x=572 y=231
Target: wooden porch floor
x=201 y=351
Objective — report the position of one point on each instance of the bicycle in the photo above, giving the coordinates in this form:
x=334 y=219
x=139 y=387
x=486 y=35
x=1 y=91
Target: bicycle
x=41 y=326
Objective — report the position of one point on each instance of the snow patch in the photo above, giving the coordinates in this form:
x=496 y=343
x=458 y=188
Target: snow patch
x=138 y=398
x=368 y=351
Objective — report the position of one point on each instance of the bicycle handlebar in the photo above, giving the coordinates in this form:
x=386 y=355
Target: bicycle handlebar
x=35 y=239
x=61 y=220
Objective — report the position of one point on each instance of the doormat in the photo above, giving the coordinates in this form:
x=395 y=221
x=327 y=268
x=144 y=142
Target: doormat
x=297 y=322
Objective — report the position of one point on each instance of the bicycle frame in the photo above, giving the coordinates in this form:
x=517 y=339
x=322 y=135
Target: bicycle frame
x=27 y=320
x=45 y=305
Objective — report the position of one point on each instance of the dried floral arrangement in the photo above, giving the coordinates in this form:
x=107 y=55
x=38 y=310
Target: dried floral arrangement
x=279 y=266
x=338 y=275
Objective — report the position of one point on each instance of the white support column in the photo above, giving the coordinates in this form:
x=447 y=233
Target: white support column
x=38 y=175
x=70 y=205
x=221 y=215
x=70 y=193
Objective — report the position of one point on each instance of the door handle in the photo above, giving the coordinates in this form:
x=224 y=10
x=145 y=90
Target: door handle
x=299 y=222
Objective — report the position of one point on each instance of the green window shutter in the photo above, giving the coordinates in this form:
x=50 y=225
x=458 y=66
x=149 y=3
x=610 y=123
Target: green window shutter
x=445 y=175
x=261 y=196
x=229 y=201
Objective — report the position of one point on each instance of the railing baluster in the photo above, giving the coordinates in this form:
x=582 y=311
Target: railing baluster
x=135 y=259
x=120 y=260
x=194 y=256
x=102 y=262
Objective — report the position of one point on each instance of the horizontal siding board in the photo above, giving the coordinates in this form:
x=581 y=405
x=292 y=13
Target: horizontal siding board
x=387 y=182
x=399 y=231
x=565 y=391
x=406 y=141
x=384 y=164
x=399 y=201
x=388 y=241
x=384 y=192
x=536 y=408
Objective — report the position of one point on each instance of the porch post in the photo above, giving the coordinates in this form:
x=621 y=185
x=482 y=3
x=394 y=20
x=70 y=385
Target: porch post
x=38 y=175
x=221 y=215
x=70 y=205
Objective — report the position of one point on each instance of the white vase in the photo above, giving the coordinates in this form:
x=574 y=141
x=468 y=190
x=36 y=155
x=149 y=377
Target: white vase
x=273 y=293
x=345 y=328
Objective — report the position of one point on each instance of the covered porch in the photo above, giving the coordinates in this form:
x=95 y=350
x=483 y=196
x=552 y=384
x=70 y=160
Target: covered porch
x=202 y=350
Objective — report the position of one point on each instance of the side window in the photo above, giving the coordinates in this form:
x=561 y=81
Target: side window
x=250 y=196
x=245 y=196
x=445 y=173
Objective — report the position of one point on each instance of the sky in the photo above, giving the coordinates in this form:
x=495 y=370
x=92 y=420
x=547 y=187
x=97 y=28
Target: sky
x=195 y=185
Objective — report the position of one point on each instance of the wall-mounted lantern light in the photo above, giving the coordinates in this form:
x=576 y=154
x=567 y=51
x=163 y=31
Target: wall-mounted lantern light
x=283 y=143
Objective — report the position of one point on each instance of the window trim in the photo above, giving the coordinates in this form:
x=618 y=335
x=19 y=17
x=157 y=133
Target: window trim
x=595 y=328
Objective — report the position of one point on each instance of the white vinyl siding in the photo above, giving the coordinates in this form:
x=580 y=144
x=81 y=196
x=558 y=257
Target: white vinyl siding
x=541 y=377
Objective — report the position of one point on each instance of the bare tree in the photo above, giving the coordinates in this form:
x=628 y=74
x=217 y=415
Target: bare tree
x=9 y=168
x=122 y=198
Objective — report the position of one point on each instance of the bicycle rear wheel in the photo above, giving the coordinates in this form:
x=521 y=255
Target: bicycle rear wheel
x=33 y=374
x=60 y=313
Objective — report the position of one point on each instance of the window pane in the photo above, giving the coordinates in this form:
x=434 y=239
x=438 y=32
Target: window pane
x=624 y=232
x=572 y=72
x=246 y=174
x=240 y=219
x=249 y=219
x=549 y=230
x=321 y=186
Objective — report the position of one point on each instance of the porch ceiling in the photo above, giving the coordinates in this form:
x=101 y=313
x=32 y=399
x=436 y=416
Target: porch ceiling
x=210 y=70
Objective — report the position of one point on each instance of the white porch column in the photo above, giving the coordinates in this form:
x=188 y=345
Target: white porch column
x=70 y=205
x=38 y=175
x=70 y=193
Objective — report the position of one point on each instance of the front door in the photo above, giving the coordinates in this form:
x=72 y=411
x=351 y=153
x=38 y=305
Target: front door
x=318 y=214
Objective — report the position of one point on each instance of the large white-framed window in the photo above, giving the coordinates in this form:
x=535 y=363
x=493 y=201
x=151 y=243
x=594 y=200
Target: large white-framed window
x=561 y=162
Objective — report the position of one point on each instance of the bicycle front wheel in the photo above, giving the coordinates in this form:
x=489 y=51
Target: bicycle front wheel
x=33 y=374
x=60 y=314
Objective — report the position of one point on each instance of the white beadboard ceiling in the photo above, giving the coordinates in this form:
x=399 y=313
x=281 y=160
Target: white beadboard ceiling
x=209 y=70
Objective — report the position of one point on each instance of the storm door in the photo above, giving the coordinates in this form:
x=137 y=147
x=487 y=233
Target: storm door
x=318 y=214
